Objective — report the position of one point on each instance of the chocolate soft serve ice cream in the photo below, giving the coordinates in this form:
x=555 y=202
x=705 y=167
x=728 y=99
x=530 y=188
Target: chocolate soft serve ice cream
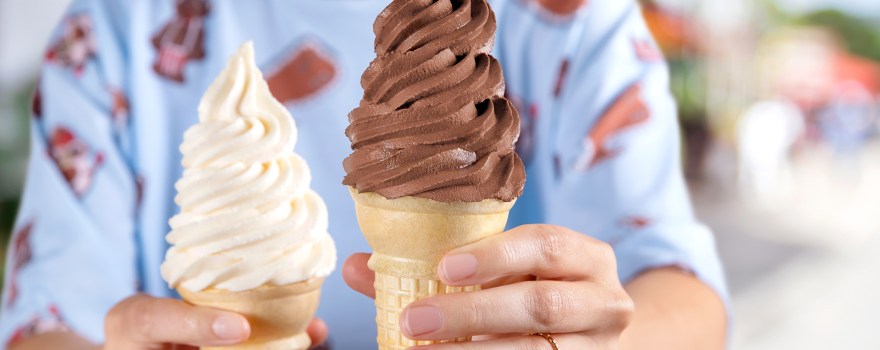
x=433 y=122
x=433 y=167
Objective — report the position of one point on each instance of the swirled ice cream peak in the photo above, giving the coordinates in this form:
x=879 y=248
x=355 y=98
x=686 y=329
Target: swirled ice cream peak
x=239 y=109
x=248 y=217
x=433 y=122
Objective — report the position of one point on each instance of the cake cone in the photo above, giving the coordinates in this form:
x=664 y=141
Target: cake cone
x=409 y=236
x=278 y=315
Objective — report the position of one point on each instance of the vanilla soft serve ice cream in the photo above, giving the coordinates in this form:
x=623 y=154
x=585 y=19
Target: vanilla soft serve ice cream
x=248 y=217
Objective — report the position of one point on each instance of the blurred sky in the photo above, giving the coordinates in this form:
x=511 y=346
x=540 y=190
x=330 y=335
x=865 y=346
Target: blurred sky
x=25 y=27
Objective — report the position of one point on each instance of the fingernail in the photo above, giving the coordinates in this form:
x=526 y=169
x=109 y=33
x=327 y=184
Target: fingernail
x=230 y=327
x=421 y=320
x=458 y=267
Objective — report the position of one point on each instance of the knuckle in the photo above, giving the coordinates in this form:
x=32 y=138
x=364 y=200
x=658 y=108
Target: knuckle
x=550 y=245
x=130 y=316
x=547 y=306
x=476 y=320
x=117 y=317
x=137 y=318
x=113 y=320
x=605 y=258
x=620 y=311
x=605 y=252
x=508 y=251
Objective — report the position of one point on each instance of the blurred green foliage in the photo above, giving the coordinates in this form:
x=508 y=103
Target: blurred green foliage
x=8 y=209
x=858 y=36
x=18 y=107
x=687 y=81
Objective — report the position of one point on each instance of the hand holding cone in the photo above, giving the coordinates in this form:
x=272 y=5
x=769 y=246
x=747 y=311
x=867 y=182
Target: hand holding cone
x=433 y=167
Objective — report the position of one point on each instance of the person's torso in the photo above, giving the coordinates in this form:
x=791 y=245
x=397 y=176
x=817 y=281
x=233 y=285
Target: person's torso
x=312 y=53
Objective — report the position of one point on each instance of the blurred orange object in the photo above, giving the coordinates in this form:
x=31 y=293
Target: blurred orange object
x=847 y=67
x=673 y=32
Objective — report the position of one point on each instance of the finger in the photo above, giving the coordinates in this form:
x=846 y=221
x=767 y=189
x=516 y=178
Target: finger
x=358 y=276
x=531 y=342
x=527 y=307
x=144 y=320
x=546 y=251
x=503 y=281
x=317 y=331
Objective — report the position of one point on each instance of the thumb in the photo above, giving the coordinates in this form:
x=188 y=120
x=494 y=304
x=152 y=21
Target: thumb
x=358 y=276
x=143 y=322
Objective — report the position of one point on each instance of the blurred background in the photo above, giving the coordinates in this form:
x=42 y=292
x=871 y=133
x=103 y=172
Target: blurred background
x=779 y=104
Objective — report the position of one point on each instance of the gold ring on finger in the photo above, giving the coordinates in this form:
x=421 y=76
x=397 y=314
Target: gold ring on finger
x=549 y=339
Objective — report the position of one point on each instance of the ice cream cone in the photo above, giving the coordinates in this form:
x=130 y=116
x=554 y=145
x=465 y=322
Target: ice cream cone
x=409 y=236
x=278 y=315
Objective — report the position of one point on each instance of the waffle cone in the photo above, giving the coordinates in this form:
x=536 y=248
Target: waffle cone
x=409 y=236
x=278 y=315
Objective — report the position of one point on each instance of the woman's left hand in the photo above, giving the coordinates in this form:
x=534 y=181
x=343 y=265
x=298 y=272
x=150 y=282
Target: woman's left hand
x=535 y=278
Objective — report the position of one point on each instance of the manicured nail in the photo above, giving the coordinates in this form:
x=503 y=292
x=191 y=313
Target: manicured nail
x=421 y=320
x=230 y=327
x=458 y=267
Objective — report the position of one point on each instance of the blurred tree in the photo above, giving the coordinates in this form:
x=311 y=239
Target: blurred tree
x=677 y=35
x=688 y=85
x=857 y=35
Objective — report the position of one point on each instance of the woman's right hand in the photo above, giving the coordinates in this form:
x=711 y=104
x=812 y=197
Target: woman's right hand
x=143 y=322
